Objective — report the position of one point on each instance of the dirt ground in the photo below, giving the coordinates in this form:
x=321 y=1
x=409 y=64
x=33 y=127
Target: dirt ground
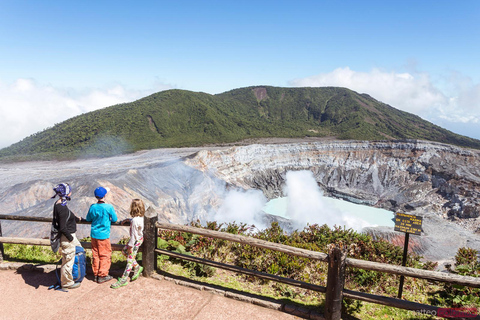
x=24 y=294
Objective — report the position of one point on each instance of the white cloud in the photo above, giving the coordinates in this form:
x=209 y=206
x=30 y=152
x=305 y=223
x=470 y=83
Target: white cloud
x=401 y=90
x=455 y=100
x=27 y=107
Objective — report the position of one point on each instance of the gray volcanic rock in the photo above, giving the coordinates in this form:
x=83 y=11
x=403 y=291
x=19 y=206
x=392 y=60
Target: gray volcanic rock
x=437 y=181
x=412 y=176
x=439 y=240
x=177 y=192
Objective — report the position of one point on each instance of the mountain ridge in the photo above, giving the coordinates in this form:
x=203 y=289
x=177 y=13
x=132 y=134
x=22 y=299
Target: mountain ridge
x=181 y=118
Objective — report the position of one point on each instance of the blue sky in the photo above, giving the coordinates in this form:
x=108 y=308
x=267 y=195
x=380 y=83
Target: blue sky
x=61 y=59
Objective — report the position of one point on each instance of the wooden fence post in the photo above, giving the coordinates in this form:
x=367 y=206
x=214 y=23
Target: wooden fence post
x=335 y=282
x=2 y=253
x=149 y=242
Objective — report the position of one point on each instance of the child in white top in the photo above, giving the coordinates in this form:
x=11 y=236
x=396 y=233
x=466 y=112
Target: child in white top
x=137 y=212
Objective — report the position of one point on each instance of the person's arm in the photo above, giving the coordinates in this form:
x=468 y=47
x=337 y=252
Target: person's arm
x=133 y=233
x=126 y=222
x=113 y=215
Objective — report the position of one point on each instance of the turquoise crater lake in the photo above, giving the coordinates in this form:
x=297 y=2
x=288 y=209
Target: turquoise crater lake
x=352 y=215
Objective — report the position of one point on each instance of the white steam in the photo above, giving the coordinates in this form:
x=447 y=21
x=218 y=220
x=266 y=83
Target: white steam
x=242 y=206
x=306 y=204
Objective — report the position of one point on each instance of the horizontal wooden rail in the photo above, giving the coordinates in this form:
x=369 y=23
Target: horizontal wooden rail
x=259 y=274
x=30 y=241
x=246 y=240
x=415 y=273
x=43 y=219
x=25 y=218
x=398 y=303
x=46 y=242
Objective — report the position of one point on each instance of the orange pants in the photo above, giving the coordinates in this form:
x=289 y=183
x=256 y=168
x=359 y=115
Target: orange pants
x=101 y=257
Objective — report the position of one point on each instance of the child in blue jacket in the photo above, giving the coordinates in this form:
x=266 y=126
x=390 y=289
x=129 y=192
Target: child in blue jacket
x=101 y=215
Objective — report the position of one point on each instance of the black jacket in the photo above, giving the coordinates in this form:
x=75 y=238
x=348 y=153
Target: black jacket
x=65 y=220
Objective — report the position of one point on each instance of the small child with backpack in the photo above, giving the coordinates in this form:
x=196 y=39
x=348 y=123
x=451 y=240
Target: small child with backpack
x=137 y=212
x=64 y=225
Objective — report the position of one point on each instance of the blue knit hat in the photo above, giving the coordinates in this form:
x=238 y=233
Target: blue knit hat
x=62 y=190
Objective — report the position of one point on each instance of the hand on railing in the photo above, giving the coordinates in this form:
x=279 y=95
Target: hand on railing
x=126 y=222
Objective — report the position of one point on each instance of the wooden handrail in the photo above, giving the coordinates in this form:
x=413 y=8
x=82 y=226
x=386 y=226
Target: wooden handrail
x=397 y=303
x=46 y=242
x=24 y=218
x=415 y=273
x=42 y=219
x=246 y=240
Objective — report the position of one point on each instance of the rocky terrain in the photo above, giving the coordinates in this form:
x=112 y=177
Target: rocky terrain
x=437 y=181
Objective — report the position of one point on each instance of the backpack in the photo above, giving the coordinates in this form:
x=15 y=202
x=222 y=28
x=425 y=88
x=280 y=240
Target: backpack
x=54 y=238
x=79 y=269
x=79 y=265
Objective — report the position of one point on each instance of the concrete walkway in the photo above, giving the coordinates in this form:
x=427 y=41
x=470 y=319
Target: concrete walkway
x=24 y=294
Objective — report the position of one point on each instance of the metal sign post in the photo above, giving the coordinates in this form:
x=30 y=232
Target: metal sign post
x=409 y=224
x=404 y=263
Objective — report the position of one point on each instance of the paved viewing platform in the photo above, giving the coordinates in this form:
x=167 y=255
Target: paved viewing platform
x=25 y=295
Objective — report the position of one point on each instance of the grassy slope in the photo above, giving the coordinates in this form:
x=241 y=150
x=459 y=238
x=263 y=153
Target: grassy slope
x=179 y=118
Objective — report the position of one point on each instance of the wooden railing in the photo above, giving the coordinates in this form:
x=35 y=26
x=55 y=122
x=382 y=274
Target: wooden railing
x=37 y=241
x=336 y=259
x=337 y=262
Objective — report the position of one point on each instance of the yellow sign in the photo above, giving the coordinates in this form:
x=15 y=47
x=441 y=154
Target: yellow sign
x=408 y=223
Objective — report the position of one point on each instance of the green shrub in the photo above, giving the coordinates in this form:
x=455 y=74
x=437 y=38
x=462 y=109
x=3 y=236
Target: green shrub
x=466 y=256
x=466 y=264
x=183 y=244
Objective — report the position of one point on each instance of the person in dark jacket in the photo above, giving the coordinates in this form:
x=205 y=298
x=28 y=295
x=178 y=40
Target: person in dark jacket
x=66 y=222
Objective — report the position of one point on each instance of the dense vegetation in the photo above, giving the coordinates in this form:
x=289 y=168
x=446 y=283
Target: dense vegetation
x=318 y=238
x=178 y=118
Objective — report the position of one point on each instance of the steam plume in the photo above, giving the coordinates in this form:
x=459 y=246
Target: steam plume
x=306 y=204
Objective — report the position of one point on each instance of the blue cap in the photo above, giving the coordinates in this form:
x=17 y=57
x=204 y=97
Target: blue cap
x=100 y=192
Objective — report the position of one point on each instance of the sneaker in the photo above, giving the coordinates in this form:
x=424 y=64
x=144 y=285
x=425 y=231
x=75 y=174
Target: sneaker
x=136 y=273
x=135 y=269
x=95 y=279
x=104 y=279
x=120 y=283
x=73 y=286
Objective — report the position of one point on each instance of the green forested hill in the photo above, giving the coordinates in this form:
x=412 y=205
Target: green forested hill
x=178 y=118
